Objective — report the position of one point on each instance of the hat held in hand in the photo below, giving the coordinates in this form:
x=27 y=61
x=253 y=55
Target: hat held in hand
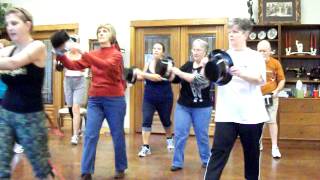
x=163 y=67
x=59 y=38
x=217 y=68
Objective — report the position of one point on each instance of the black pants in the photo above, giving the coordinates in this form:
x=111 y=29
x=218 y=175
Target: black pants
x=225 y=135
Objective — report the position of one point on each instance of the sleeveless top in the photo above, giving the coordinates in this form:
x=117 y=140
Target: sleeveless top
x=157 y=90
x=24 y=93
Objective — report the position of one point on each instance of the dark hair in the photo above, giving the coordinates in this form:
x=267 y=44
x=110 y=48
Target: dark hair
x=59 y=38
x=22 y=13
x=163 y=47
x=244 y=24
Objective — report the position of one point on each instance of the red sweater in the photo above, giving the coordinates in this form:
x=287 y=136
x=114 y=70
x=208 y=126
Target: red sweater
x=107 y=70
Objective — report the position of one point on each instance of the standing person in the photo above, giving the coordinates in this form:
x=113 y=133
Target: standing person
x=3 y=88
x=158 y=96
x=22 y=115
x=74 y=91
x=275 y=83
x=193 y=107
x=240 y=109
x=106 y=98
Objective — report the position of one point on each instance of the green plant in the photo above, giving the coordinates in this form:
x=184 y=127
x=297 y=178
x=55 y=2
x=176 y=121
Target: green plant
x=3 y=8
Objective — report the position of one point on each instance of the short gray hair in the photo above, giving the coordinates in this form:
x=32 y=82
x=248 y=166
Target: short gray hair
x=202 y=43
x=244 y=24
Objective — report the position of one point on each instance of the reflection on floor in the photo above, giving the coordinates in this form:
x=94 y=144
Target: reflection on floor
x=300 y=161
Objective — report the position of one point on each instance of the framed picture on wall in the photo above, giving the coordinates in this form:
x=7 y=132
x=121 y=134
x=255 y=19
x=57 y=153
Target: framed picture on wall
x=279 y=11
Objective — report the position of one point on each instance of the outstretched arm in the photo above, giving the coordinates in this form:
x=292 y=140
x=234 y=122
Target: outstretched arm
x=35 y=53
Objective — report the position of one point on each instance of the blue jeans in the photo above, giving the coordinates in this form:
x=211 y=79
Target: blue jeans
x=200 y=119
x=114 y=110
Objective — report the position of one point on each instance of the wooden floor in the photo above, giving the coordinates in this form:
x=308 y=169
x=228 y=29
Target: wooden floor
x=301 y=161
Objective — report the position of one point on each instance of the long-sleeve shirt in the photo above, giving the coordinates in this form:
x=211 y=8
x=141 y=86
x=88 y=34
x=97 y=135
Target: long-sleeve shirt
x=107 y=70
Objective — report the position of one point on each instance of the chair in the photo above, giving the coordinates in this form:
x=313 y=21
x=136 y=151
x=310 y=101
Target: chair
x=65 y=112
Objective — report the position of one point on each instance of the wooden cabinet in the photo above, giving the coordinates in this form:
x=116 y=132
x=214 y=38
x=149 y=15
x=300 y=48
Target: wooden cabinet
x=297 y=118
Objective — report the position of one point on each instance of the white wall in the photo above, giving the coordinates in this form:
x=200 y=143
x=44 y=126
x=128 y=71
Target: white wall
x=121 y=12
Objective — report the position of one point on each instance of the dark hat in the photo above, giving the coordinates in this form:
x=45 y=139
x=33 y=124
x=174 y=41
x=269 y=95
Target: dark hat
x=129 y=75
x=163 y=65
x=217 y=68
x=59 y=38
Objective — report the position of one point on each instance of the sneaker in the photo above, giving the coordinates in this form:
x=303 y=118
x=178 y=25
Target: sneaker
x=74 y=140
x=86 y=177
x=260 y=146
x=18 y=148
x=175 y=168
x=276 y=153
x=170 y=144
x=144 y=151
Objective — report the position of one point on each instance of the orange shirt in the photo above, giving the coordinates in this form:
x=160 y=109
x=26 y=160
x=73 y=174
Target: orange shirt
x=274 y=75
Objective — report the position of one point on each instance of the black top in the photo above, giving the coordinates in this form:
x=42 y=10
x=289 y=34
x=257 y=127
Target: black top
x=24 y=89
x=157 y=91
x=192 y=96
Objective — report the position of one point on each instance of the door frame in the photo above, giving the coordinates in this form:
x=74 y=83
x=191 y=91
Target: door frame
x=134 y=25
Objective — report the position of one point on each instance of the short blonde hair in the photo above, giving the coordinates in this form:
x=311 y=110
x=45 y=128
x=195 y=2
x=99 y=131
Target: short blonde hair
x=113 y=38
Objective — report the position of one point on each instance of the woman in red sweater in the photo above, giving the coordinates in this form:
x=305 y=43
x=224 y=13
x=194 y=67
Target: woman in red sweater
x=106 y=98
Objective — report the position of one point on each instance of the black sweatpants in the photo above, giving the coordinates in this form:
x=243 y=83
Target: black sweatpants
x=225 y=135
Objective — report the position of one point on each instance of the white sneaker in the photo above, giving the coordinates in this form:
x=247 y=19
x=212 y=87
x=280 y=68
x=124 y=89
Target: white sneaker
x=18 y=148
x=74 y=139
x=276 y=153
x=144 y=151
x=170 y=144
x=261 y=146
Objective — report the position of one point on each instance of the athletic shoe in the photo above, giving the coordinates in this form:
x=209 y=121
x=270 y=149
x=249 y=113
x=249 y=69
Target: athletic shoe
x=276 y=153
x=18 y=148
x=170 y=144
x=144 y=151
x=74 y=140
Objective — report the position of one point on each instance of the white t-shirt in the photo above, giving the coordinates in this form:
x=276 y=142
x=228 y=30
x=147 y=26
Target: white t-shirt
x=240 y=101
x=73 y=73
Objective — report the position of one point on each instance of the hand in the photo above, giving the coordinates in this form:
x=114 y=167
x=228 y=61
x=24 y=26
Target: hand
x=138 y=73
x=275 y=93
x=235 y=71
x=75 y=46
x=175 y=70
x=156 y=77
x=204 y=61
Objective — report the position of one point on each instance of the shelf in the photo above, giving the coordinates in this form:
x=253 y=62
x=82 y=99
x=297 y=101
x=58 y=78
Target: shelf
x=293 y=98
x=302 y=80
x=300 y=57
x=258 y=40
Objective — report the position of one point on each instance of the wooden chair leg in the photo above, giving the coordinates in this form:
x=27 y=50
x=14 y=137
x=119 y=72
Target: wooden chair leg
x=71 y=127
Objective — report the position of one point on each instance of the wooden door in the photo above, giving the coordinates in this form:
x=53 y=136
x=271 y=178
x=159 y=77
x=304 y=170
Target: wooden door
x=214 y=35
x=145 y=38
x=177 y=35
